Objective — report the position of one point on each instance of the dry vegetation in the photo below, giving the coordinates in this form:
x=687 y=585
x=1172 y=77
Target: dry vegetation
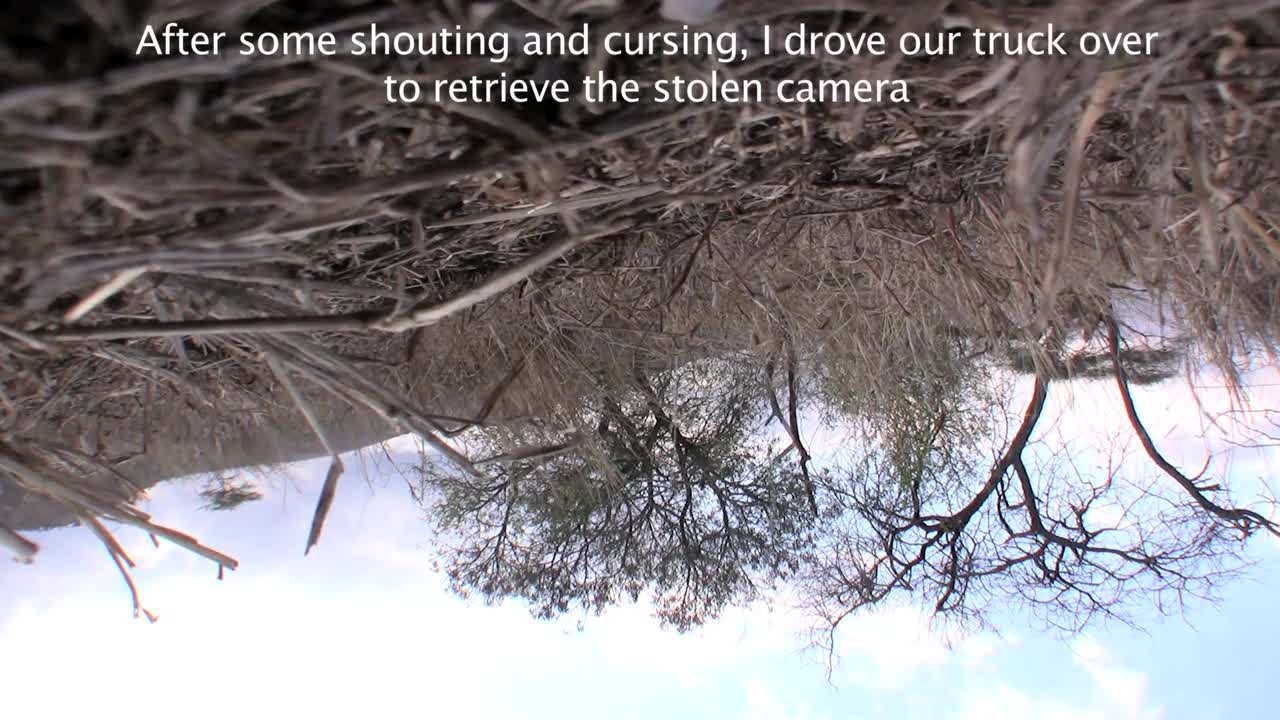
x=208 y=263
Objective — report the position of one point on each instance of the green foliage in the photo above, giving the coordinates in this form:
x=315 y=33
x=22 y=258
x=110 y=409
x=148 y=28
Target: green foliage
x=671 y=492
x=918 y=424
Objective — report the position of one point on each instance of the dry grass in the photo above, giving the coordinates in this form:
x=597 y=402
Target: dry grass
x=169 y=229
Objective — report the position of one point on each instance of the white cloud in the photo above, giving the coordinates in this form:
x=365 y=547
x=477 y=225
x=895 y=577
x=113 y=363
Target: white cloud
x=976 y=649
x=889 y=647
x=1112 y=692
x=1123 y=689
x=998 y=700
x=627 y=639
x=764 y=703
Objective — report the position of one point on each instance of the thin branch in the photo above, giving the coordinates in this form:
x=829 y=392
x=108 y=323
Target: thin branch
x=120 y=558
x=429 y=314
x=424 y=314
x=83 y=503
x=336 y=468
x=325 y=502
x=24 y=550
x=1243 y=519
x=353 y=322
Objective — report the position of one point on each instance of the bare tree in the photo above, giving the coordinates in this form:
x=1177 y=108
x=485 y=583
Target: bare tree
x=1070 y=542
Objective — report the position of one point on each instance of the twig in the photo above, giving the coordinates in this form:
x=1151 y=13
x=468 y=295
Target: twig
x=23 y=549
x=336 y=468
x=120 y=558
x=423 y=315
x=104 y=291
x=282 y=374
x=325 y=502
x=429 y=314
x=332 y=323
x=85 y=504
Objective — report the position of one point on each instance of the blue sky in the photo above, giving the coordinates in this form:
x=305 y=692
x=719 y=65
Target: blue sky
x=364 y=625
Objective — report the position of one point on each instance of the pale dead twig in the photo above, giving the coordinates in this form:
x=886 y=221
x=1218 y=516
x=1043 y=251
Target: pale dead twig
x=324 y=502
x=121 y=559
x=104 y=291
x=330 y=487
x=1094 y=108
x=84 y=504
x=424 y=314
x=431 y=313
x=23 y=549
